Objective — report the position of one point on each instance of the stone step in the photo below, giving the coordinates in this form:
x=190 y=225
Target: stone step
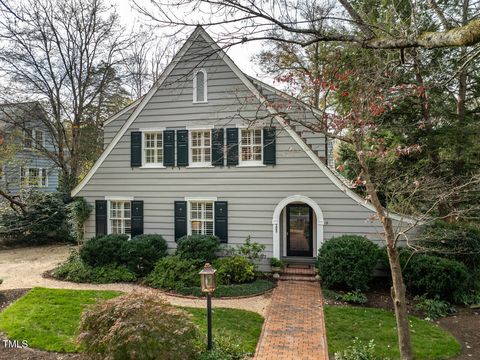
x=289 y=270
x=297 y=278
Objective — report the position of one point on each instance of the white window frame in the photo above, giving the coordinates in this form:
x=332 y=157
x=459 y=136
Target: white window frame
x=202 y=164
x=249 y=162
x=109 y=218
x=36 y=144
x=205 y=87
x=26 y=176
x=33 y=139
x=144 y=162
x=189 y=212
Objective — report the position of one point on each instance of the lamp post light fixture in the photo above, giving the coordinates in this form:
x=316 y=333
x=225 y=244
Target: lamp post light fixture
x=208 y=284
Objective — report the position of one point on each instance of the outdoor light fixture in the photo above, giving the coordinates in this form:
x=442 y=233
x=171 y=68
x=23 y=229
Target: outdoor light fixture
x=208 y=283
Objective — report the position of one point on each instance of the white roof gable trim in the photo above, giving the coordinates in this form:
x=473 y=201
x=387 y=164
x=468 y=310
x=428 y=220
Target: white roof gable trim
x=200 y=31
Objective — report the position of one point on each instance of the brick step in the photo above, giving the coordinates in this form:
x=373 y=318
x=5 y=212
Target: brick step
x=298 y=271
x=297 y=278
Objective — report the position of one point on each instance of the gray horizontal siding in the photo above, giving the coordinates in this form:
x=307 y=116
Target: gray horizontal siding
x=252 y=193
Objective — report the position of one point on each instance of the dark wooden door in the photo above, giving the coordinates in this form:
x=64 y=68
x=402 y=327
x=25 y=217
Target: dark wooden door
x=299 y=230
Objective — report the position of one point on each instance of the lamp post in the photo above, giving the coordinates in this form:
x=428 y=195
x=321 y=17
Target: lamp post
x=208 y=283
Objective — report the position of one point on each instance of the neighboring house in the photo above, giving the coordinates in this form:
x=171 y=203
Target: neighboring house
x=205 y=152
x=23 y=129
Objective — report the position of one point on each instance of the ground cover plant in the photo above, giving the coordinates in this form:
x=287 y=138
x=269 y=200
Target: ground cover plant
x=430 y=342
x=34 y=317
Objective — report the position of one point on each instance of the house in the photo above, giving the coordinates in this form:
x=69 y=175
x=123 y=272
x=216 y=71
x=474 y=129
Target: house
x=206 y=151
x=24 y=130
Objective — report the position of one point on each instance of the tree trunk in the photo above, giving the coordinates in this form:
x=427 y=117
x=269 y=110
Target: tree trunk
x=398 y=287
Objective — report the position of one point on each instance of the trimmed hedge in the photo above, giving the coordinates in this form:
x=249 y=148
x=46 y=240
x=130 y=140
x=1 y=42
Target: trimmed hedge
x=173 y=273
x=103 y=250
x=198 y=247
x=347 y=262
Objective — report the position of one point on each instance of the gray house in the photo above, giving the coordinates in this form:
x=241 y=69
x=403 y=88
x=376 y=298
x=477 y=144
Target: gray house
x=23 y=126
x=207 y=151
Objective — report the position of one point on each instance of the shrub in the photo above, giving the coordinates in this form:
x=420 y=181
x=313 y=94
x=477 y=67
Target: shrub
x=138 y=326
x=434 y=308
x=173 y=273
x=78 y=213
x=435 y=276
x=354 y=297
x=235 y=270
x=224 y=348
x=74 y=269
x=274 y=262
x=251 y=250
x=347 y=262
x=142 y=252
x=104 y=250
x=453 y=241
x=359 y=351
x=198 y=247
x=45 y=221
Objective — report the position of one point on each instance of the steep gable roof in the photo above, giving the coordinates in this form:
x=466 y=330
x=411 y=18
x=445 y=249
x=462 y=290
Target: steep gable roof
x=138 y=107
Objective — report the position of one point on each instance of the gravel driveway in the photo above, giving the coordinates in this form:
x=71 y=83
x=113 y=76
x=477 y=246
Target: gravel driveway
x=23 y=268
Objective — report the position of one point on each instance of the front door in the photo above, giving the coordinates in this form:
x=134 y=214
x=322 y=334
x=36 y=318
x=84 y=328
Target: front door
x=299 y=230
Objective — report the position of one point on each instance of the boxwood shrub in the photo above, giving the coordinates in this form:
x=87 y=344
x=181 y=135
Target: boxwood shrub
x=198 y=247
x=174 y=272
x=347 y=262
x=234 y=270
x=103 y=250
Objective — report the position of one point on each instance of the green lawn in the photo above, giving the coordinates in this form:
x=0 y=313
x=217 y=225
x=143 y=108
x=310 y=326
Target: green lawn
x=48 y=319
x=344 y=323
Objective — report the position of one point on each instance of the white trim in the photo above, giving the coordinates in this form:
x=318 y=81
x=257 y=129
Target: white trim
x=276 y=221
x=200 y=198
x=137 y=111
x=245 y=163
x=109 y=219
x=152 y=166
x=205 y=164
x=241 y=126
x=123 y=111
x=189 y=211
x=156 y=165
x=26 y=176
x=199 y=127
x=200 y=166
x=119 y=198
x=159 y=129
x=205 y=87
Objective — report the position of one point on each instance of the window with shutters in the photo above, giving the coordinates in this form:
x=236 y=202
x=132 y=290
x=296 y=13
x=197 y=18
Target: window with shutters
x=33 y=176
x=201 y=218
x=200 y=148
x=200 y=86
x=251 y=147
x=119 y=217
x=152 y=149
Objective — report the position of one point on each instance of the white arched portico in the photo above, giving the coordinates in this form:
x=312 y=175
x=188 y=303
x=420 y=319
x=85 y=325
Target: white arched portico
x=276 y=220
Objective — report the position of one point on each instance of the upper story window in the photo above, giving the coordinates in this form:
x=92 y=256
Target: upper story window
x=251 y=147
x=119 y=217
x=33 y=137
x=34 y=177
x=201 y=218
x=200 y=86
x=153 y=148
x=200 y=148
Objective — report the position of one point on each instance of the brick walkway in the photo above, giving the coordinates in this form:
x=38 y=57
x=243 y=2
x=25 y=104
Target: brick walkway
x=294 y=327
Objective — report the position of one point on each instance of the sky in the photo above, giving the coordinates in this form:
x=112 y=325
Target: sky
x=241 y=54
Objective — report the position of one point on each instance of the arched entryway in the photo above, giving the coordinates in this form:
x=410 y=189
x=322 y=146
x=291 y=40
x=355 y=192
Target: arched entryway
x=295 y=210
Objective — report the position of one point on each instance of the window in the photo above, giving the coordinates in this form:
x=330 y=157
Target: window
x=201 y=217
x=200 y=148
x=251 y=146
x=200 y=86
x=33 y=137
x=152 y=148
x=120 y=214
x=34 y=177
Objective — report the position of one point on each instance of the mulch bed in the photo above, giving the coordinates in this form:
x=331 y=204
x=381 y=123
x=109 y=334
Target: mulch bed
x=8 y=353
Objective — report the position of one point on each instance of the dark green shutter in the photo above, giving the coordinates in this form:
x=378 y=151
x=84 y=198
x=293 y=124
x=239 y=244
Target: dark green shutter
x=269 y=146
x=232 y=146
x=101 y=217
x=136 y=148
x=137 y=217
x=221 y=220
x=180 y=219
x=182 y=147
x=217 y=147
x=169 y=148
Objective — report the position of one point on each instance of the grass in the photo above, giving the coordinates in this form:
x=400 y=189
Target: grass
x=242 y=326
x=48 y=319
x=345 y=323
x=248 y=289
